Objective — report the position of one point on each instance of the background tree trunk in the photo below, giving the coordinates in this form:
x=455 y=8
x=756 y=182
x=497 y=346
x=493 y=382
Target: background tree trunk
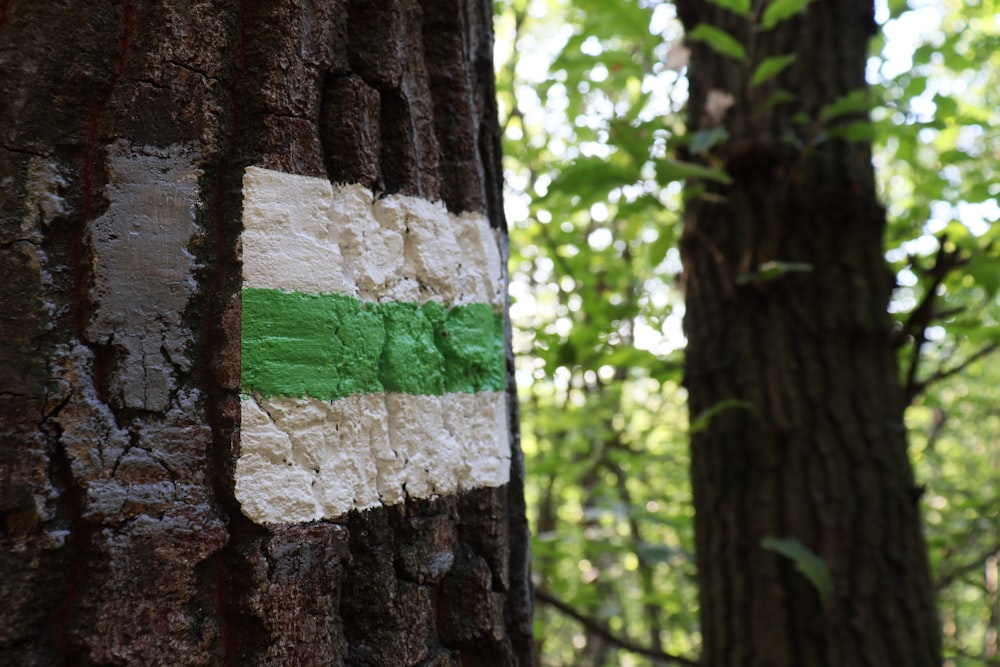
x=126 y=130
x=807 y=439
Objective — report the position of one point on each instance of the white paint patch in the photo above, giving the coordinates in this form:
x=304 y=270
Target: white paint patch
x=305 y=459
x=303 y=234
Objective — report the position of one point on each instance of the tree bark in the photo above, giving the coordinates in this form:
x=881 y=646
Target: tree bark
x=126 y=131
x=790 y=351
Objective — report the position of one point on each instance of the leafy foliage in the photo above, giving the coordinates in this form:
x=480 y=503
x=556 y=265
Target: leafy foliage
x=770 y=68
x=590 y=94
x=592 y=267
x=777 y=11
x=937 y=129
x=738 y=7
x=720 y=41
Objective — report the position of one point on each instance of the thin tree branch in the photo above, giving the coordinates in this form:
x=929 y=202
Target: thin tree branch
x=511 y=65
x=948 y=577
x=914 y=388
x=937 y=428
x=921 y=317
x=600 y=629
x=986 y=661
x=944 y=263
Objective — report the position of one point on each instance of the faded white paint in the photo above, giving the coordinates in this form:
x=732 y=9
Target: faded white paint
x=342 y=239
x=305 y=459
x=143 y=271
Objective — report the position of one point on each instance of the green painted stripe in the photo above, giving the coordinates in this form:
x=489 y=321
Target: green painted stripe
x=330 y=346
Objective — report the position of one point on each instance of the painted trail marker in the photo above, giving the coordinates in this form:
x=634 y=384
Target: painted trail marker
x=373 y=350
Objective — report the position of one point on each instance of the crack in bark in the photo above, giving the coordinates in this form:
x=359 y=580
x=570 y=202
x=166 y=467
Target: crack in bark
x=24 y=151
x=194 y=70
x=79 y=540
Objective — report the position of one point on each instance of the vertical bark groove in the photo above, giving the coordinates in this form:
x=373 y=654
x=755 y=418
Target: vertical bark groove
x=816 y=449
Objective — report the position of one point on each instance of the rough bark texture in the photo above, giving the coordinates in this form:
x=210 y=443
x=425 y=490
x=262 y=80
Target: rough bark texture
x=124 y=132
x=811 y=445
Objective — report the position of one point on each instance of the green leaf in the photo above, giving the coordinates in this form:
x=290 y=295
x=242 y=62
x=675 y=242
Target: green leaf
x=702 y=140
x=800 y=118
x=779 y=10
x=655 y=553
x=946 y=107
x=806 y=562
x=592 y=178
x=781 y=97
x=769 y=271
x=701 y=422
x=674 y=170
x=897 y=7
x=718 y=40
x=985 y=270
x=738 y=7
x=859 y=132
x=854 y=102
x=658 y=249
x=770 y=68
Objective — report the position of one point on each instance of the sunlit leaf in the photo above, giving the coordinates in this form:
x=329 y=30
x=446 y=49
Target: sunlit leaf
x=658 y=248
x=592 y=177
x=947 y=106
x=897 y=7
x=985 y=269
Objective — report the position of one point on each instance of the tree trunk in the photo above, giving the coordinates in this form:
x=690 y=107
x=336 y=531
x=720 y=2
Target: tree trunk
x=160 y=162
x=790 y=354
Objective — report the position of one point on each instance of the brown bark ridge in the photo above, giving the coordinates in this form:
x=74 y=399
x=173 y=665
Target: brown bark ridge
x=789 y=347
x=125 y=129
